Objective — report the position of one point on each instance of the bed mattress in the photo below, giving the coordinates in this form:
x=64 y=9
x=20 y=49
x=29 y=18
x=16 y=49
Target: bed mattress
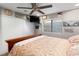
x=41 y=46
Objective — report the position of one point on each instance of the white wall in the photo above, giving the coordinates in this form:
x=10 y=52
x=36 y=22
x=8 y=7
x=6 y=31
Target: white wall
x=71 y=15
x=12 y=27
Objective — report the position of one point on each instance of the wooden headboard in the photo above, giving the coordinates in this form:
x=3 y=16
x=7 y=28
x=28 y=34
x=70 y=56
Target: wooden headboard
x=11 y=42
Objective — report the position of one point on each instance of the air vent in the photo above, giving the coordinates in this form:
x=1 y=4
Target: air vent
x=19 y=15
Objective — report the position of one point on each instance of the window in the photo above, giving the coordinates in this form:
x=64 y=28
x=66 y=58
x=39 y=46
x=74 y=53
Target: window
x=52 y=25
x=57 y=26
x=47 y=25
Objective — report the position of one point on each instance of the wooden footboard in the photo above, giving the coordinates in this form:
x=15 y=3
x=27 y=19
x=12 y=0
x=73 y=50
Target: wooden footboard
x=11 y=42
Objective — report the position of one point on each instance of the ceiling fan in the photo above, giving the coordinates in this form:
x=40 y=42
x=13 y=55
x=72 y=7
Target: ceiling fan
x=35 y=7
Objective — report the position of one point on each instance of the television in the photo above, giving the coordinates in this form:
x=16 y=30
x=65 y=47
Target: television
x=34 y=19
x=37 y=27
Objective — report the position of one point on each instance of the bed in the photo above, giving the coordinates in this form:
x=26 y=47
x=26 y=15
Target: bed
x=41 y=46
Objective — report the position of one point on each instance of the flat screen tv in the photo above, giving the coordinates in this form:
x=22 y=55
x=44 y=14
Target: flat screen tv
x=34 y=19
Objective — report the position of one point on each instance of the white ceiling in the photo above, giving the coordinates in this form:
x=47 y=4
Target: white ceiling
x=57 y=7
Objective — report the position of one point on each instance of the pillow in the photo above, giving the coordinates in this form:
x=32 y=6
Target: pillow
x=74 y=49
x=74 y=39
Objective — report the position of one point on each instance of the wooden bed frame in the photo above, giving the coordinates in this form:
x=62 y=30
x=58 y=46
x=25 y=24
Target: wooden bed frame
x=11 y=42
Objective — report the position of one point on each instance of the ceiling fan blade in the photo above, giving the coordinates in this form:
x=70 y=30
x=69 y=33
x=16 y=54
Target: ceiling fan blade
x=40 y=11
x=24 y=8
x=31 y=12
x=42 y=7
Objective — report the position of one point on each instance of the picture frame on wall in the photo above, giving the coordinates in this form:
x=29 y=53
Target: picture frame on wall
x=70 y=26
x=8 y=12
x=71 y=23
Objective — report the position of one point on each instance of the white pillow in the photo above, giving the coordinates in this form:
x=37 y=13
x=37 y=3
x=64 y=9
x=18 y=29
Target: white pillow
x=74 y=49
x=74 y=39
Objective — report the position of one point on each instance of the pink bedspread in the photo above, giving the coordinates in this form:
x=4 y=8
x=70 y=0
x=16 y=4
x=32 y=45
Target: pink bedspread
x=44 y=46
